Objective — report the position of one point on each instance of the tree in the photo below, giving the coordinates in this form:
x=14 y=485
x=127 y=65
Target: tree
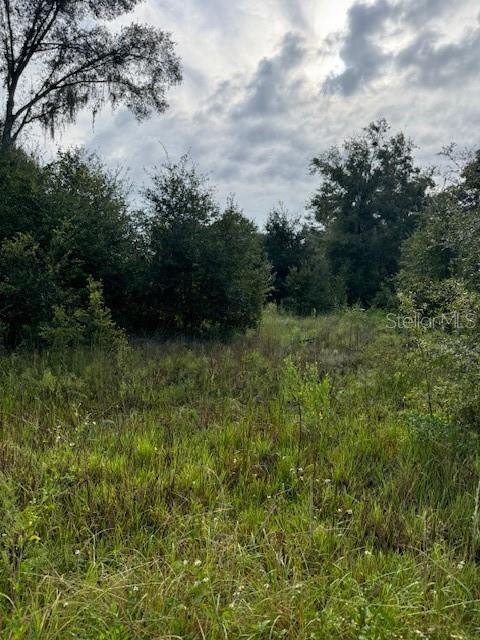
x=23 y=202
x=470 y=183
x=27 y=290
x=92 y=233
x=61 y=225
x=58 y=56
x=309 y=286
x=181 y=206
x=237 y=273
x=284 y=248
x=429 y=256
x=446 y=243
x=368 y=203
x=207 y=269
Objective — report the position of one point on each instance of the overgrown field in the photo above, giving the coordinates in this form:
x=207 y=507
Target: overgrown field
x=294 y=483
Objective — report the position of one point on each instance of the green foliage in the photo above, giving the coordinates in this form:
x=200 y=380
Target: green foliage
x=440 y=284
x=23 y=205
x=206 y=267
x=59 y=57
x=27 y=289
x=237 y=274
x=184 y=266
x=93 y=234
x=90 y=326
x=446 y=243
x=368 y=203
x=310 y=287
x=60 y=225
x=444 y=348
x=303 y=283
x=288 y=484
x=284 y=247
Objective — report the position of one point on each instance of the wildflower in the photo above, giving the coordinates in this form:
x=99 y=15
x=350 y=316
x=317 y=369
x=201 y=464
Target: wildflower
x=197 y=563
x=232 y=605
x=349 y=512
x=327 y=481
x=185 y=562
x=135 y=588
x=300 y=469
x=77 y=552
x=72 y=444
x=461 y=564
x=206 y=579
x=368 y=552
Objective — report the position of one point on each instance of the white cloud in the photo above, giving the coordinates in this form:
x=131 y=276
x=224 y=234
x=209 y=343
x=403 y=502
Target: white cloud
x=253 y=108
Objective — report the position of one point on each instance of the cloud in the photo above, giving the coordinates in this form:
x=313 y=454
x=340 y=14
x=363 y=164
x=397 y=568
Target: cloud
x=438 y=65
x=363 y=57
x=270 y=90
x=366 y=46
x=270 y=85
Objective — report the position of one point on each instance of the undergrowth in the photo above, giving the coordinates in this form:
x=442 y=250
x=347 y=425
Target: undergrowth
x=292 y=483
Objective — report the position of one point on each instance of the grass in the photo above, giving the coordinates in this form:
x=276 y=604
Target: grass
x=289 y=484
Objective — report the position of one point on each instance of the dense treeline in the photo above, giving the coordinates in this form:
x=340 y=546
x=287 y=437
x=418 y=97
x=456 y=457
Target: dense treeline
x=381 y=227
x=181 y=265
x=77 y=262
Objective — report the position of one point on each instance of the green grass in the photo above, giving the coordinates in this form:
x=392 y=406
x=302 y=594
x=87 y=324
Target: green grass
x=289 y=484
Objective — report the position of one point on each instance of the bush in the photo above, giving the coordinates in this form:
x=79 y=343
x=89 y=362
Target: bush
x=206 y=268
x=89 y=326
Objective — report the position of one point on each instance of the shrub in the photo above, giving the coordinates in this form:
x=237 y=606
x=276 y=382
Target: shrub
x=91 y=325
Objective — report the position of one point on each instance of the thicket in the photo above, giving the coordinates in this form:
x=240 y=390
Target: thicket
x=67 y=233
x=381 y=234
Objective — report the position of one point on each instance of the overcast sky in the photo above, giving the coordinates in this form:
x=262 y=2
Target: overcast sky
x=270 y=83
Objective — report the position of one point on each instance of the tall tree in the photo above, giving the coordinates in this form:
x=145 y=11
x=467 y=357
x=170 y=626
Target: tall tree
x=283 y=242
x=181 y=207
x=446 y=244
x=206 y=267
x=58 y=56
x=368 y=203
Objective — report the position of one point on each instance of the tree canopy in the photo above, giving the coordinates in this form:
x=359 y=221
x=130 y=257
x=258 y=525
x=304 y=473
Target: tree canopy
x=368 y=203
x=58 y=56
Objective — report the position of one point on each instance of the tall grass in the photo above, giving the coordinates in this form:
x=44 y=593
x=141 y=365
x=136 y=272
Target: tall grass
x=288 y=484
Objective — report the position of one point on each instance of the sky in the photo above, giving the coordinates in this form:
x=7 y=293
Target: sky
x=269 y=84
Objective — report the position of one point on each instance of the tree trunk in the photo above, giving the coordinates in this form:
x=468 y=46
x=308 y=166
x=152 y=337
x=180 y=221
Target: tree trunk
x=7 y=137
